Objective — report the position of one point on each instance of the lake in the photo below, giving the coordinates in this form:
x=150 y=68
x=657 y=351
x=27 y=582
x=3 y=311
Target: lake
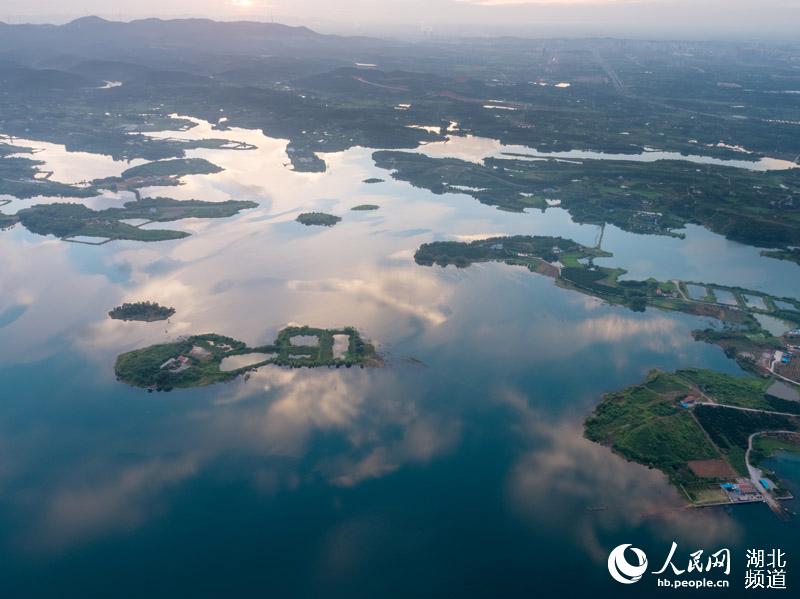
x=458 y=467
x=476 y=149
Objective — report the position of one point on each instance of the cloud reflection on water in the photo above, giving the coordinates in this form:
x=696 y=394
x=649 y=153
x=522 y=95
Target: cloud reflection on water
x=277 y=415
x=249 y=275
x=585 y=476
x=125 y=500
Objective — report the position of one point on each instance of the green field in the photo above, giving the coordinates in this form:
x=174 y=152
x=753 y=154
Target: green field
x=767 y=446
x=647 y=424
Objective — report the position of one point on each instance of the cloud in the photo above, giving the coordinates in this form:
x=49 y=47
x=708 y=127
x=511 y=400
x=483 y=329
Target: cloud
x=351 y=404
x=583 y=474
x=51 y=315
x=123 y=500
x=423 y=439
x=554 y=2
x=404 y=291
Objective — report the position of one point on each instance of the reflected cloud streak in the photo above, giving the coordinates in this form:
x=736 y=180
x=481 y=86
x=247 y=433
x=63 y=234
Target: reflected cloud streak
x=125 y=500
x=586 y=475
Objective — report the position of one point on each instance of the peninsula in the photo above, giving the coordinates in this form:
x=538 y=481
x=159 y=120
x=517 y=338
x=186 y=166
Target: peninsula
x=791 y=254
x=660 y=198
x=161 y=173
x=742 y=335
x=697 y=427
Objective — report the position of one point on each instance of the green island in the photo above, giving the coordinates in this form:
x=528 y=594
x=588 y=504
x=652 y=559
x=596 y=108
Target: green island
x=661 y=197
x=373 y=181
x=319 y=219
x=304 y=160
x=697 y=427
x=742 y=335
x=365 y=207
x=203 y=360
x=177 y=167
x=160 y=173
x=67 y=220
x=141 y=311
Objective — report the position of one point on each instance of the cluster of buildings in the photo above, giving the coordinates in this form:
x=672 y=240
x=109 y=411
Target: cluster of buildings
x=784 y=357
x=661 y=293
x=741 y=491
x=176 y=364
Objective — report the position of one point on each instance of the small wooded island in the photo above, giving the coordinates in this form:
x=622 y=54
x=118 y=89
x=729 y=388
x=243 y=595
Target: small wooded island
x=320 y=219
x=141 y=311
x=207 y=359
x=365 y=207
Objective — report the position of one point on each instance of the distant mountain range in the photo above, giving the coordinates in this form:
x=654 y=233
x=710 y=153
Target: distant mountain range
x=171 y=41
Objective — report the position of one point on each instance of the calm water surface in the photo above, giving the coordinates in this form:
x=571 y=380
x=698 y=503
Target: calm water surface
x=475 y=149
x=457 y=469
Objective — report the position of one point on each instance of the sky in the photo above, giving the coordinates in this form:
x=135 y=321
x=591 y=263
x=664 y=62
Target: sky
x=689 y=19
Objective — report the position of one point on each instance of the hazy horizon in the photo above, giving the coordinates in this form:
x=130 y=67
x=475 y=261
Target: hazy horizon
x=698 y=19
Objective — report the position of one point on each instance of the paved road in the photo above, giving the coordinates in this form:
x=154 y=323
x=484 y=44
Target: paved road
x=756 y=474
x=780 y=376
x=612 y=74
x=722 y=405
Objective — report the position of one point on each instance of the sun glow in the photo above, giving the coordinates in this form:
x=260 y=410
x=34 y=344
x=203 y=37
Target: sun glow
x=243 y=3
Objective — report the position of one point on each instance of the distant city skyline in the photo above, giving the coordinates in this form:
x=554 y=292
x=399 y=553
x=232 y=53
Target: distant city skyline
x=706 y=19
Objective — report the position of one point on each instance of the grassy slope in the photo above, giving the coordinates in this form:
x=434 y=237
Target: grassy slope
x=644 y=424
